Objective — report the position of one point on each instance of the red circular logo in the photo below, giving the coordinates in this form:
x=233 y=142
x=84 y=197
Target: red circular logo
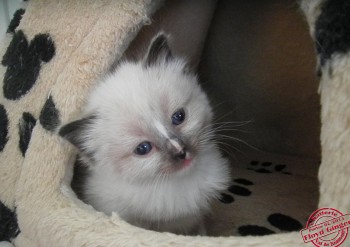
x=326 y=227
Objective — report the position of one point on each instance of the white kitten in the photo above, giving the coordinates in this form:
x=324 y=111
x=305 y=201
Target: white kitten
x=146 y=138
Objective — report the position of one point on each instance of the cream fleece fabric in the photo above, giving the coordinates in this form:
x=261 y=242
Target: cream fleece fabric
x=334 y=172
x=88 y=36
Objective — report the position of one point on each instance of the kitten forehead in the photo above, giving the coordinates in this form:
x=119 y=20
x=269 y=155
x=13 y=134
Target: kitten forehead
x=165 y=85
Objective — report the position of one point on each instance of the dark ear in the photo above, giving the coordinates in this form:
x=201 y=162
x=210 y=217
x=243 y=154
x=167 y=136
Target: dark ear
x=158 y=50
x=73 y=132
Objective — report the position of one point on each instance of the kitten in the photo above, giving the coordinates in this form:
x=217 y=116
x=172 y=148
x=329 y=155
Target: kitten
x=146 y=139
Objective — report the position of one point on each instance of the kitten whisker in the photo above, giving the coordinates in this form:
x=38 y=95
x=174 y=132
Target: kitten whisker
x=223 y=116
x=233 y=123
x=227 y=145
x=231 y=129
x=227 y=137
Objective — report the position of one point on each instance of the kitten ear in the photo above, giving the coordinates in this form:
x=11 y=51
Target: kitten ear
x=73 y=132
x=158 y=50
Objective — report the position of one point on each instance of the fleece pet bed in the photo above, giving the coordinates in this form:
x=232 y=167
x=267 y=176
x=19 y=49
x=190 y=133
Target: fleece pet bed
x=55 y=51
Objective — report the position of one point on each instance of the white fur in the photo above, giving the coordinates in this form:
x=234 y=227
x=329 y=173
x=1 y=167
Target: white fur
x=135 y=104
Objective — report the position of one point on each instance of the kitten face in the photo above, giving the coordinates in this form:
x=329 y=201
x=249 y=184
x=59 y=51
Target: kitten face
x=149 y=118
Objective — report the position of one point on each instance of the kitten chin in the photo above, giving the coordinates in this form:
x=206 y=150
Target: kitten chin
x=146 y=143
x=176 y=203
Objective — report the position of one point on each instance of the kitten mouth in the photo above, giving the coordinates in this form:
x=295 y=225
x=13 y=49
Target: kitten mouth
x=182 y=159
x=184 y=164
x=181 y=165
x=187 y=162
x=178 y=166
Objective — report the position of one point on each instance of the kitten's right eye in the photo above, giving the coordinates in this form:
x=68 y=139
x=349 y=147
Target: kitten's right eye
x=143 y=148
x=178 y=117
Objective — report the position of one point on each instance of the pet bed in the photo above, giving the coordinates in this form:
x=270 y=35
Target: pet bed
x=52 y=55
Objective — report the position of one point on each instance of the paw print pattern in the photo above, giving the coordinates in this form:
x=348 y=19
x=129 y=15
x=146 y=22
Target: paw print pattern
x=236 y=190
x=23 y=61
x=3 y=127
x=14 y=23
x=280 y=221
x=49 y=115
x=225 y=198
x=254 y=230
x=267 y=167
x=8 y=224
x=26 y=125
x=332 y=30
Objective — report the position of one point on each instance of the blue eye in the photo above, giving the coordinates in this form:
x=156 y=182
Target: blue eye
x=178 y=117
x=143 y=148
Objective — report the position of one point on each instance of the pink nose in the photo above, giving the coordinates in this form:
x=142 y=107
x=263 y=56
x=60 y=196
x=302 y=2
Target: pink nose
x=180 y=155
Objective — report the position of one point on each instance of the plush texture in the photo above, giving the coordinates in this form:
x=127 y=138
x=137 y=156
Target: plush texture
x=254 y=205
x=331 y=17
x=73 y=42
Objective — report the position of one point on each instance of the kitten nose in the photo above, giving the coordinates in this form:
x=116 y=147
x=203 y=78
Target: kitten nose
x=180 y=155
x=177 y=148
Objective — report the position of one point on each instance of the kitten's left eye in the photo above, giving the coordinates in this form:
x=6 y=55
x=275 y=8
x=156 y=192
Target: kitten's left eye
x=143 y=148
x=178 y=117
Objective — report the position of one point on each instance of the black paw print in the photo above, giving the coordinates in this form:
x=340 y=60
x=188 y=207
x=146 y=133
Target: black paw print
x=26 y=125
x=280 y=221
x=236 y=190
x=23 y=61
x=49 y=120
x=17 y=16
x=267 y=167
x=49 y=115
x=8 y=224
x=331 y=40
x=3 y=127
